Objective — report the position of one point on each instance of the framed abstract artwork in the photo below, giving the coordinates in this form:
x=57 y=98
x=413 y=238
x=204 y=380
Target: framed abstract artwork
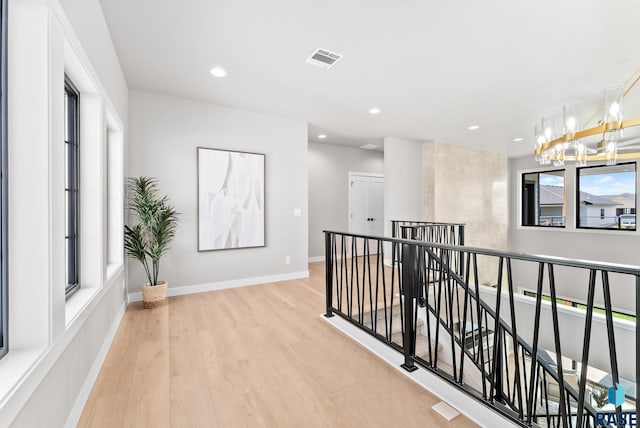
x=230 y=199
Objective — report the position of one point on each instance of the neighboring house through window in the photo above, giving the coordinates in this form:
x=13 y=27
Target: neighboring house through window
x=607 y=197
x=543 y=199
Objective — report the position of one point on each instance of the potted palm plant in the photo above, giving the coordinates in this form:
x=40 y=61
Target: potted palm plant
x=149 y=238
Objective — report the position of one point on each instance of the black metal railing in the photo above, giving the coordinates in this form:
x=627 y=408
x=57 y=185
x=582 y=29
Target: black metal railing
x=442 y=233
x=437 y=232
x=476 y=337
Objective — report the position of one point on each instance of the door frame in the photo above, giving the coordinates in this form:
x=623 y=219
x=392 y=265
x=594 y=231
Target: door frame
x=350 y=177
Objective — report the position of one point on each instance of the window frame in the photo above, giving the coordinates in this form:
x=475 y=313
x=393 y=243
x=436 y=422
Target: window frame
x=72 y=186
x=4 y=224
x=522 y=184
x=577 y=195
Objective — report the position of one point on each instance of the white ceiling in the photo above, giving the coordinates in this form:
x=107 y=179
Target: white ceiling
x=432 y=67
x=334 y=137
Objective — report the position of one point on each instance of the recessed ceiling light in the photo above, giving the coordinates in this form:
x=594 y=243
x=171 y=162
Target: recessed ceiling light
x=218 y=72
x=517 y=140
x=473 y=127
x=374 y=110
x=369 y=147
x=322 y=136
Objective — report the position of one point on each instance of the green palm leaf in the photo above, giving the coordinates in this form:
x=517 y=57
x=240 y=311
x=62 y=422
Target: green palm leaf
x=156 y=221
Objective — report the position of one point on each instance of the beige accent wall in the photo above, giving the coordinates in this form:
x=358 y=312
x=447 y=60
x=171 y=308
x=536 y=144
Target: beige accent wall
x=468 y=186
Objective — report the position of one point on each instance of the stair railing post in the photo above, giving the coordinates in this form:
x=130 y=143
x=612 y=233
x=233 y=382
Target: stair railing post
x=417 y=233
x=328 y=267
x=409 y=283
x=499 y=383
x=460 y=255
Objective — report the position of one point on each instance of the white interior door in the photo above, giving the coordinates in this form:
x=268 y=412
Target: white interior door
x=359 y=204
x=366 y=206
x=375 y=209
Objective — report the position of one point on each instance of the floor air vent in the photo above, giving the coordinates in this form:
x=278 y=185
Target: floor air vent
x=323 y=58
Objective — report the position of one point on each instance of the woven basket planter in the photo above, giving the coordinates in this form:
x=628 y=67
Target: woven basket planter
x=154 y=296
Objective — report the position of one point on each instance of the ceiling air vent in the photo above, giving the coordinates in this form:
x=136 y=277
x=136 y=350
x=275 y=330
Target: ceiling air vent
x=323 y=58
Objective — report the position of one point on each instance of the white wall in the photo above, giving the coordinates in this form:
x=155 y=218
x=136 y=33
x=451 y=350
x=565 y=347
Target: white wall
x=570 y=321
x=56 y=347
x=329 y=167
x=614 y=246
x=403 y=181
x=165 y=133
x=90 y=27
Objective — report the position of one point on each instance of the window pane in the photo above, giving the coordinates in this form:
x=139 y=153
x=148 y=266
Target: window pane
x=71 y=263
x=607 y=197
x=543 y=199
x=67 y=229
x=67 y=153
x=4 y=308
x=71 y=188
x=66 y=117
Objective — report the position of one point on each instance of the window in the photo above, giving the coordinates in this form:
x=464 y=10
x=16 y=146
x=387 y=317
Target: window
x=72 y=163
x=543 y=199
x=607 y=197
x=114 y=196
x=4 y=310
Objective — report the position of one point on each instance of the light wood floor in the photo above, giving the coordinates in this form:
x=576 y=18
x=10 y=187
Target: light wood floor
x=256 y=356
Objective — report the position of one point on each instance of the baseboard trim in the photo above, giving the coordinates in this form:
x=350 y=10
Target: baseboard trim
x=222 y=285
x=83 y=395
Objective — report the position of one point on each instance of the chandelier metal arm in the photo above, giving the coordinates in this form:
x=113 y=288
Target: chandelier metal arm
x=600 y=129
x=603 y=157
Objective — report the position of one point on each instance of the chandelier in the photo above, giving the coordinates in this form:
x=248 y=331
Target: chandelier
x=558 y=138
